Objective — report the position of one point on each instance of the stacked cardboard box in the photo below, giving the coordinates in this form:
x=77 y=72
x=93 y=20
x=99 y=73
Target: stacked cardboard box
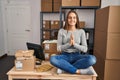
x=46 y=24
x=46 y=5
x=25 y=61
x=55 y=24
x=56 y=5
x=106 y=43
x=46 y=34
x=51 y=24
x=50 y=5
x=82 y=24
x=81 y=2
x=70 y=2
x=90 y=2
x=50 y=48
x=49 y=29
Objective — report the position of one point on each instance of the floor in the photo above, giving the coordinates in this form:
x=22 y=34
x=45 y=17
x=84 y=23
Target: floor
x=6 y=63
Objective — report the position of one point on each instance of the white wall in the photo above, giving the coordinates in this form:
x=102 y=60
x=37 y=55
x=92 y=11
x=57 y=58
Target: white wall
x=1 y=33
x=106 y=3
x=35 y=5
x=36 y=20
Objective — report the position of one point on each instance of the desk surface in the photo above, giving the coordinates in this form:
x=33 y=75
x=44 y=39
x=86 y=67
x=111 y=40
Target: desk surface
x=51 y=74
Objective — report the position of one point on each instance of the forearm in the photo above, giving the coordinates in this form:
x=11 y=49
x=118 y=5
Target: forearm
x=82 y=48
x=62 y=47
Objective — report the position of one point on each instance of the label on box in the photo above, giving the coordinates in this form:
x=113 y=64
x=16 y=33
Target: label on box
x=47 y=47
x=47 y=55
x=52 y=22
x=56 y=22
x=19 y=65
x=44 y=22
x=44 y=26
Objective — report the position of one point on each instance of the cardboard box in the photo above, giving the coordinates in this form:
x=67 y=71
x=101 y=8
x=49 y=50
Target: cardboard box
x=55 y=24
x=112 y=70
x=107 y=69
x=70 y=2
x=99 y=66
x=107 y=32
x=24 y=53
x=108 y=19
x=82 y=24
x=46 y=24
x=90 y=2
x=25 y=61
x=46 y=5
x=50 y=46
x=25 y=64
x=56 y=5
x=107 y=44
x=46 y=34
x=49 y=54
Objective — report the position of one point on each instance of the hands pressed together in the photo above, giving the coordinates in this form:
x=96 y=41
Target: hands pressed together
x=72 y=42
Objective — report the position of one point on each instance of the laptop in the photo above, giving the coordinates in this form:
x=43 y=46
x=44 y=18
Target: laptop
x=38 y=50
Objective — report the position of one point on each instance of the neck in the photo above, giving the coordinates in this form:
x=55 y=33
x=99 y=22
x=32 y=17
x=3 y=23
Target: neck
x=72 y=28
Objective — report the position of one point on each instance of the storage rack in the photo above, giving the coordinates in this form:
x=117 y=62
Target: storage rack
x=62 y=15
x=42 y=14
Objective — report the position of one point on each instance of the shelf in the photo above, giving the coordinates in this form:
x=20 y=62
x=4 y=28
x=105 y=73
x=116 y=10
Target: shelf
x=49 y=29
x=50 y=12
x=80 y=7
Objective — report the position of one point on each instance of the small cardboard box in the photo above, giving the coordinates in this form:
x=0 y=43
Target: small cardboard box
x=24 y=53
x=55 y=24
x=46 y=34
x=70 y=2
x=50 y=46
x=82 y=24
x=46 y=24
x=46 y=5
x=56 y=5
x=90 y=2
x=25 y=61
x=25 y=64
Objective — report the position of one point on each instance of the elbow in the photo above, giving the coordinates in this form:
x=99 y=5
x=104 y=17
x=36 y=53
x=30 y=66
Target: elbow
x=85 y=49
x=59 y=49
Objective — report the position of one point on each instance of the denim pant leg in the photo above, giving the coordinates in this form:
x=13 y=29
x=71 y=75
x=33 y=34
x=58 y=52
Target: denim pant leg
x=63 y=62
x=84 y=61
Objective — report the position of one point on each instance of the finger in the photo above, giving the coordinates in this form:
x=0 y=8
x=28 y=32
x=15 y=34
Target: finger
x=72 y=36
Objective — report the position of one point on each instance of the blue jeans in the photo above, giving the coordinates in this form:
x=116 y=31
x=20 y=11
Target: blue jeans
x=70 y=62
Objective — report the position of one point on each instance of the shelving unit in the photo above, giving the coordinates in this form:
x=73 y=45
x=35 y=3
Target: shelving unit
x=62 y=14
x=51 y=31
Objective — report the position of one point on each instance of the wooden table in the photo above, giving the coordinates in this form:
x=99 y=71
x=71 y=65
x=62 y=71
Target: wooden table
x=13 y=74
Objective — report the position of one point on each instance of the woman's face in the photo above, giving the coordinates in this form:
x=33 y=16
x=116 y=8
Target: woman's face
x=72 y=20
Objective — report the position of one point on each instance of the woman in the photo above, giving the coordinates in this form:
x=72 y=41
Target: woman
x=71 y=42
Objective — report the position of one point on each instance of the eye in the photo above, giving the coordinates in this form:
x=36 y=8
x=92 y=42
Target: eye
x=74 y=17
x=70 y=17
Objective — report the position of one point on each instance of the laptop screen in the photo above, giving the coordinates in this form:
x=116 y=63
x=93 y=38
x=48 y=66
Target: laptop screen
x=38 y=50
